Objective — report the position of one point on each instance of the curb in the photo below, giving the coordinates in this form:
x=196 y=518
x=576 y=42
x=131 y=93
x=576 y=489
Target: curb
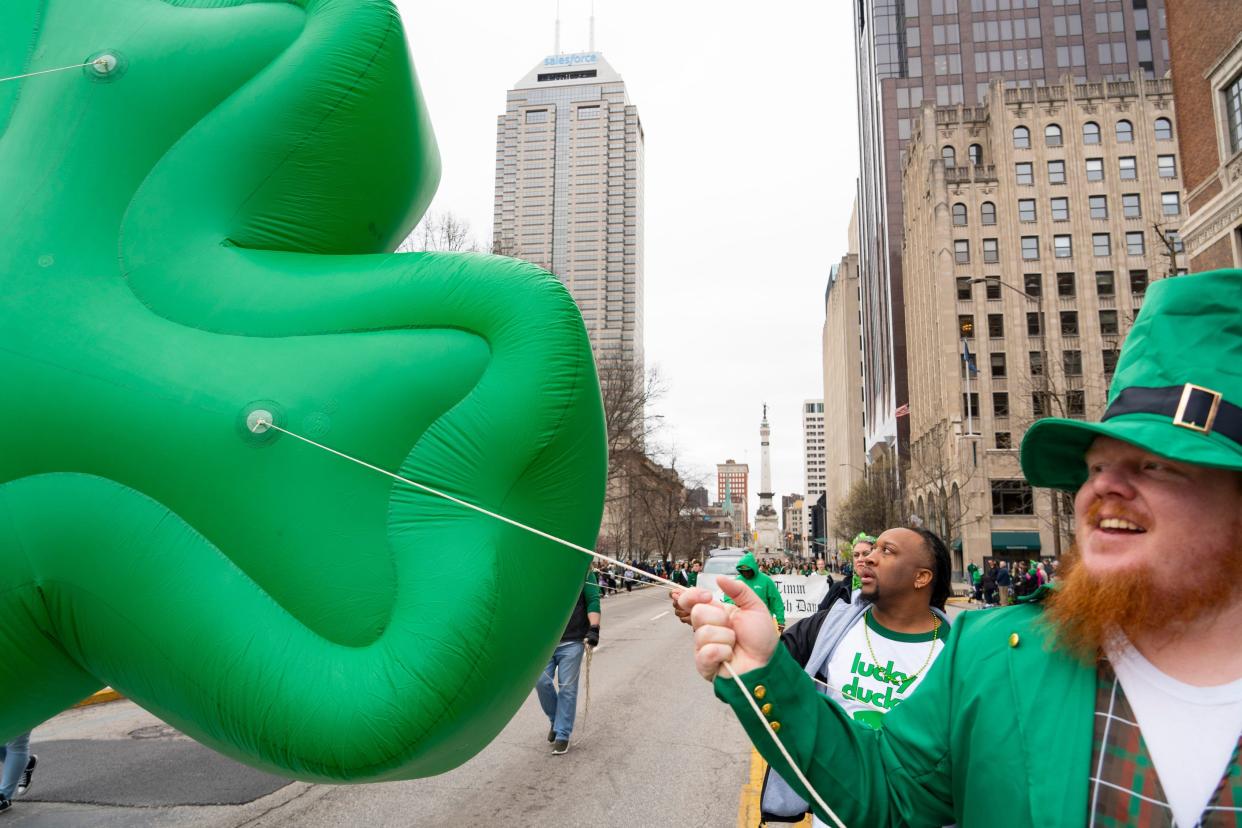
x=749 y=814
x=101 y=697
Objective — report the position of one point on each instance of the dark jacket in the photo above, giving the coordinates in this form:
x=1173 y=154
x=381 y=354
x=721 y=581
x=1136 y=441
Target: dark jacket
x=588 y=601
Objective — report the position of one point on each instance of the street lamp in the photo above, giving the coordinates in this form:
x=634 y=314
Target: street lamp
x=1044 y=392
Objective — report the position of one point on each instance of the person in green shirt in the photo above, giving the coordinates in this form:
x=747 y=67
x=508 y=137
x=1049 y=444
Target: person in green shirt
x=1136 y=648
x=763 y=586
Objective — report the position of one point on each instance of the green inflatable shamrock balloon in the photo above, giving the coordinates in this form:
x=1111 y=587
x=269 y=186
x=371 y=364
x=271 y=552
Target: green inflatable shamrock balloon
x=195 y=228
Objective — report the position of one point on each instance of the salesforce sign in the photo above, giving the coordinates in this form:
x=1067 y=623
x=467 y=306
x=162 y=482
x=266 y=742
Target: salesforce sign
x=583 y=58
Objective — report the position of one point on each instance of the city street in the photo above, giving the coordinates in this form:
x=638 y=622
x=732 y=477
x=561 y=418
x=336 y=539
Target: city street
x=654 y=748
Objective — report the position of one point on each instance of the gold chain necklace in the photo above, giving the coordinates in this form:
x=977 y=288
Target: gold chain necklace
x=876 y=661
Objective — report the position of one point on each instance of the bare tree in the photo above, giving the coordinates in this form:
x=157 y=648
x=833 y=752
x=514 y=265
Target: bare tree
x=628 y=395
x=444 y=231
x=939 y=479
x=1171 y=244
x=873 y=504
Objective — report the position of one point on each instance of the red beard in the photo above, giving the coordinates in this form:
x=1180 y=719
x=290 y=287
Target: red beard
x=1086 y=610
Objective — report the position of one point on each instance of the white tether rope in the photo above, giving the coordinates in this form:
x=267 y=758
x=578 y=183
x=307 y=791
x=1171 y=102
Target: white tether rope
x=99 y=62
x=263 y=423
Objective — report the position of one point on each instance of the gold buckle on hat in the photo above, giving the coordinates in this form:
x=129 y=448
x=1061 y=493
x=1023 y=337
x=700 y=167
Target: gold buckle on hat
x=1187 y=392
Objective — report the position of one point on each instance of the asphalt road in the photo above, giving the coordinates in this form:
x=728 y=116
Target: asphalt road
x=653 y=748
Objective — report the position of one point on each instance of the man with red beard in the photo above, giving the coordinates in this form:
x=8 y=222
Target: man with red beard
x=1117 y=701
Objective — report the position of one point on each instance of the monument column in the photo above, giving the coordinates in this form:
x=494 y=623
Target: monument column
x=767 y=524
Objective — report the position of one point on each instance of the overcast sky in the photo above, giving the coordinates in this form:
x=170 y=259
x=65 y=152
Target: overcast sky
x=751 y=153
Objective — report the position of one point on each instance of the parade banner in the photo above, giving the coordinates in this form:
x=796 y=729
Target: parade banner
x=802 y=594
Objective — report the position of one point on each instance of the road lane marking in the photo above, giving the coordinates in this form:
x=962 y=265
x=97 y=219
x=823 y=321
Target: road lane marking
x=661 y=615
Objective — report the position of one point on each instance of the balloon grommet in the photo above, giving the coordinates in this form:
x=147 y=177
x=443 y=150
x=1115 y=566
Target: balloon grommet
x=255 y=421
x=106 y=66
x=259 y=421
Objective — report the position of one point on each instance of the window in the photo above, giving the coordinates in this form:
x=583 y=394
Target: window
x=1131 y=207
x=1036 y=361
x=992 y=288
x=1075 y=402
x=1125 y=132
x=1175 y=241
x=536 y=116
x=966 y=326
x=991 y=251
x=1052 y=135
x=1233 y=113
x=1069 y=323
x=1108 y=322
x=1030 y=248
x=1138 y=282
x=1033 y=284
x=1063 y=247
x=1134 y=243
x=1065 y=285
x=961 y=251
x=1072 y=362
x=1104 y=283
x=1128 y=167
x=1024 y=173
x=987 y=213
x=1037 y=404
x=975 y=154
x=1099 y=206
x=1110 y=361
x=1171 y=203
x=1026 y=209
x=1060 y=209
x=963 y=287
x=996 y=325
x=1102 y=244
x=1004 y=440
x=1164 y=129
x=1056 y=172
x=1033 y=326
x=998 y=364
x=1000 y=404
x=959 y=215
x=1012 y=497
x=1167 y=165
x=949 y=155
x=970 y=404
x=1095 y=169
x=1091 y=133
x=1021 y=138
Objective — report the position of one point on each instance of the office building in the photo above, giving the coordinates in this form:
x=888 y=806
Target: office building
x=813 y=468
x=945 y=52
x=1034 y=261
x=569 y=192
x=732 y=491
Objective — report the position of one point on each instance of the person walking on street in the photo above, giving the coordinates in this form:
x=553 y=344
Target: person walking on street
x=1004 y=583
x=560 y=701
x=19 y=765
x=1136 y=648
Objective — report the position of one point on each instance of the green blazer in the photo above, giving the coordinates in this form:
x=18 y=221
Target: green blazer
x=998 y=733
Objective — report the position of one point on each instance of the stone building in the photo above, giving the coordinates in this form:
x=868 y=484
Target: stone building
x=1205 y=44
x=1033 y=258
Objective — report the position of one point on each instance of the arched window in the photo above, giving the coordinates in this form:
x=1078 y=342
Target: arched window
x=1164 y=129
x=1091 y=133
x=949 y=155
x=959 y=215
x=987 y=212
x=1021 y=137
x=976 y=154
x=1052 y=135
x=1125 y=132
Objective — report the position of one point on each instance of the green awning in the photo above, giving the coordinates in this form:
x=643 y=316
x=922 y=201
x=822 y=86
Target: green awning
x=1015 y=541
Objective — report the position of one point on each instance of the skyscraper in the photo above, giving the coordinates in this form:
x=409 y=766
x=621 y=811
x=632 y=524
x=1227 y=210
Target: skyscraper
x=569 y=192
x=814 y=470
x=946 y=51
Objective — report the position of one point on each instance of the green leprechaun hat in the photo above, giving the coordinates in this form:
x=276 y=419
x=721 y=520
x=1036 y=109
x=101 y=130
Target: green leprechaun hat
x=1177 y=391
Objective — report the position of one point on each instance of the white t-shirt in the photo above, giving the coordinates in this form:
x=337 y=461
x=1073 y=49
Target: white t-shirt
x=1191 y=732
x=867 y=690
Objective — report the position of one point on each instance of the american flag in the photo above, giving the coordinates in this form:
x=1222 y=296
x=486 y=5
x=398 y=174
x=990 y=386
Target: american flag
x=903 y=411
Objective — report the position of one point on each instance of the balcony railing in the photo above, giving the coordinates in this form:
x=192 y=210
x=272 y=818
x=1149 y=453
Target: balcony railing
x=978 y=173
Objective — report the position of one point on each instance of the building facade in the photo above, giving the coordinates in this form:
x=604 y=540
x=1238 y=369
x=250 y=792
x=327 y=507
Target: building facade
x=945 y=52
x=733 y=492
x=569 y=192
x=1205 y=41
x=844 y=436
x=1024 y=273
x=792 y=522
x=813 y=468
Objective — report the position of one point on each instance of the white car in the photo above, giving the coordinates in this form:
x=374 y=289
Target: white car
x=721 y=563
